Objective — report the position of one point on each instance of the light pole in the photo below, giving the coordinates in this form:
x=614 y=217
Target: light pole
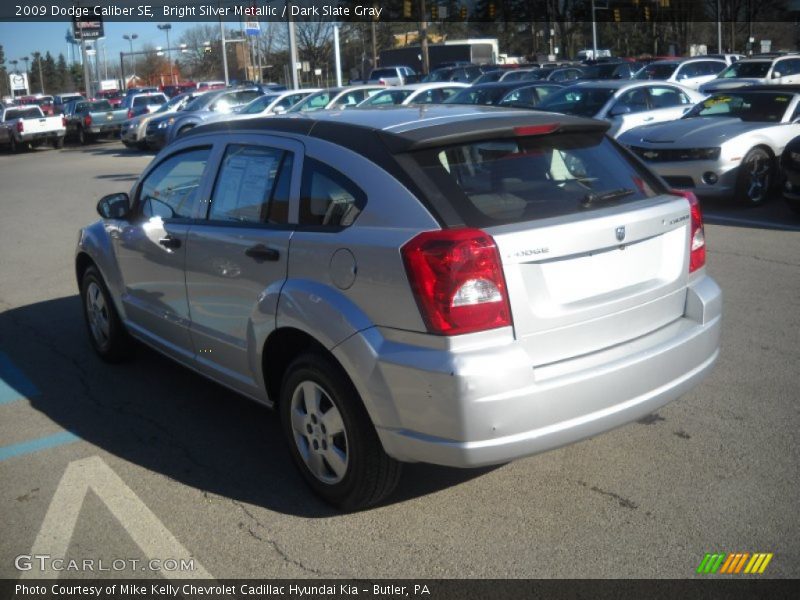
x=26 y=60
x=165 y=27
x=41 y=79
x=130 y=37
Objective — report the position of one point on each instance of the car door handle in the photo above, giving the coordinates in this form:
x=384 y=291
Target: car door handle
x=649 y=118
x=170 y=242
x=261 y=253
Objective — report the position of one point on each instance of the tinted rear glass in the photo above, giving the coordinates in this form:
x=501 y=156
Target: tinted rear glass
x=657 y=71
x=513 y=180
x=581 y=101
x=24 y=113
x=746 y=69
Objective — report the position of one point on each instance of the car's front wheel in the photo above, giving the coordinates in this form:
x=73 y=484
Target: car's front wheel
x=331 y=437
x=106 y=332
x=755 y=177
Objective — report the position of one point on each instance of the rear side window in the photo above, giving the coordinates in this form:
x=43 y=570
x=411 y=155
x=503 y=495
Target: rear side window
x=249 y=180
x=327 y=197
x=513 y=180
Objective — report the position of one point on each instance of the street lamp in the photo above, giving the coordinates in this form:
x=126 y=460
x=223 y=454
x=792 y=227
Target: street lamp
x=165 y=27
x=130 y=38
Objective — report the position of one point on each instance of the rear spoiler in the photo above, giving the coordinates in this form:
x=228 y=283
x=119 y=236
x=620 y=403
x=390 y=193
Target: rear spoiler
x=490 y=128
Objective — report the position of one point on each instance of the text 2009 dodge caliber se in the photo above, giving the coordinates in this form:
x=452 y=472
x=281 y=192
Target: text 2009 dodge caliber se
x=455 y=285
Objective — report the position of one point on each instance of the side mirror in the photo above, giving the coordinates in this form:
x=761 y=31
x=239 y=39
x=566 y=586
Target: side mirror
x=278 y=110
x=776 y=75
x=620 y=110
x=114 y=206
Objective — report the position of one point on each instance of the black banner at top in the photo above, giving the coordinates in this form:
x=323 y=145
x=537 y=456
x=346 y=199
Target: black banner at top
x=533 y=12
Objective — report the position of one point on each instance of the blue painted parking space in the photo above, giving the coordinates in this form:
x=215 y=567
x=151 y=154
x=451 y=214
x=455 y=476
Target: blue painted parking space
x=14 y=385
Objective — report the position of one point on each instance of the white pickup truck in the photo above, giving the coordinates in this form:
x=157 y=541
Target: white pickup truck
x=23 y=125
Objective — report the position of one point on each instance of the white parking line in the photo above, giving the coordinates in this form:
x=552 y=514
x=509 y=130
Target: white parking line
x=144 y=527
x=713 y=219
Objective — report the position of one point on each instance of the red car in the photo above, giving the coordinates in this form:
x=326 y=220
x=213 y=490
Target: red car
x=114 y=97
x=43 y=102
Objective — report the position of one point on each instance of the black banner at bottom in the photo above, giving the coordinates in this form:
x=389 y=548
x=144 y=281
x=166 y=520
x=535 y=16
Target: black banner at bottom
x=441 y=589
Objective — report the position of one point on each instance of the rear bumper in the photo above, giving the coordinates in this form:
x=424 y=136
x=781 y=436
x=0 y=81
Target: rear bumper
x=44 y=135
x=490 y=406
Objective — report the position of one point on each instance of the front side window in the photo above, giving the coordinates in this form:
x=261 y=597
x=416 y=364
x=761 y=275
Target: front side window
x=249 y=184
x=327 y=197
x=170 y=190
x=580 y=101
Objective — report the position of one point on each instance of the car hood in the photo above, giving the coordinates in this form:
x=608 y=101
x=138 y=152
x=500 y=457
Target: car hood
x=695 y=132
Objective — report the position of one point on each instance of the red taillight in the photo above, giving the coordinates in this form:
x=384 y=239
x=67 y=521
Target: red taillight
x=20 y=126
x=63 y=121
x=536 y=129
x=87 y=120
x=130 y=113
x=457 y=279
x=697 y=241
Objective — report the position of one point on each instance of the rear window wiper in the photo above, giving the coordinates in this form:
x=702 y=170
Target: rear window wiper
x=595 y=198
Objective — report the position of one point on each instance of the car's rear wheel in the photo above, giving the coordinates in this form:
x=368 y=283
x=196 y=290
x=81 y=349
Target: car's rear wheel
x=755 y=177
x=106 y=332
x=331 y=437
x=83 y=137
x=58 y=143
x=12 y=145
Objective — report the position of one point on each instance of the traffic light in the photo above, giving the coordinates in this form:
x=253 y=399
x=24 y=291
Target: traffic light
x=462 y=12
x=407 y=9
x=492 y=10
x=663 y=3
x=646 y=13
x=617 y=16
x=434 y=12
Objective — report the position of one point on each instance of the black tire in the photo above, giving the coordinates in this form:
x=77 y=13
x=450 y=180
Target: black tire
x=112 y=343
x=83 y=137
x=127 y=144
x=755 y=178
x=183 y=130
x=58 y=143
x=794 y=205
x=12 y=145
x=365 y=474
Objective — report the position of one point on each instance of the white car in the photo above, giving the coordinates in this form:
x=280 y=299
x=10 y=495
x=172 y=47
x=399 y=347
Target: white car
x=275 y=103
x=415 y=93
x=625 y=104
x=691 y=73
x=781 y=70
x=336 y=98
x=726 y=146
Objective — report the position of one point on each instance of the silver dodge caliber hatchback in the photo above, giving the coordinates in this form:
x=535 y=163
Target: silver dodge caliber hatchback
x=454 y=285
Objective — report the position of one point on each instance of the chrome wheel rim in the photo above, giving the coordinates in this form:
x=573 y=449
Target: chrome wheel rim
x=97 y=314
x=319 y=433
x=758 y=169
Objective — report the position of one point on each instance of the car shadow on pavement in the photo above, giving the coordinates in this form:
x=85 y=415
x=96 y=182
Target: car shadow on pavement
x=774 y=213
x=154 y=413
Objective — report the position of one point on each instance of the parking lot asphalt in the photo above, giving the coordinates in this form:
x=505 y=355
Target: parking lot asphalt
x=146 y=460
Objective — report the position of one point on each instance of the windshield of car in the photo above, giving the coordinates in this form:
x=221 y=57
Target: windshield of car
x=757 y=69
x=149 y=100
x=656 y=71
x=601 y=71
x=387 y=98
x=173 y=102
x=580 y=101
x=200 y=102
x=438 y=75
x=488 y=95
x=748 y=106
x=259 y=104
x=511 y=180
x=316 y=101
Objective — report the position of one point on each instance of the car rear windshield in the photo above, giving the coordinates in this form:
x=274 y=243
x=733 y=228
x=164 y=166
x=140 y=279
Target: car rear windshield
x=24 y=113
x=657 y=71
x=149 y=100
x=513 y=180
x=489 y=95
x=580 y=101
x=746 y=69
x=99 y=105
x=377 y=73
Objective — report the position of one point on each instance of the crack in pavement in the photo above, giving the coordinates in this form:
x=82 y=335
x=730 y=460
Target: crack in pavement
x=755 y=257
x=278 y=549
x=623 y=502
